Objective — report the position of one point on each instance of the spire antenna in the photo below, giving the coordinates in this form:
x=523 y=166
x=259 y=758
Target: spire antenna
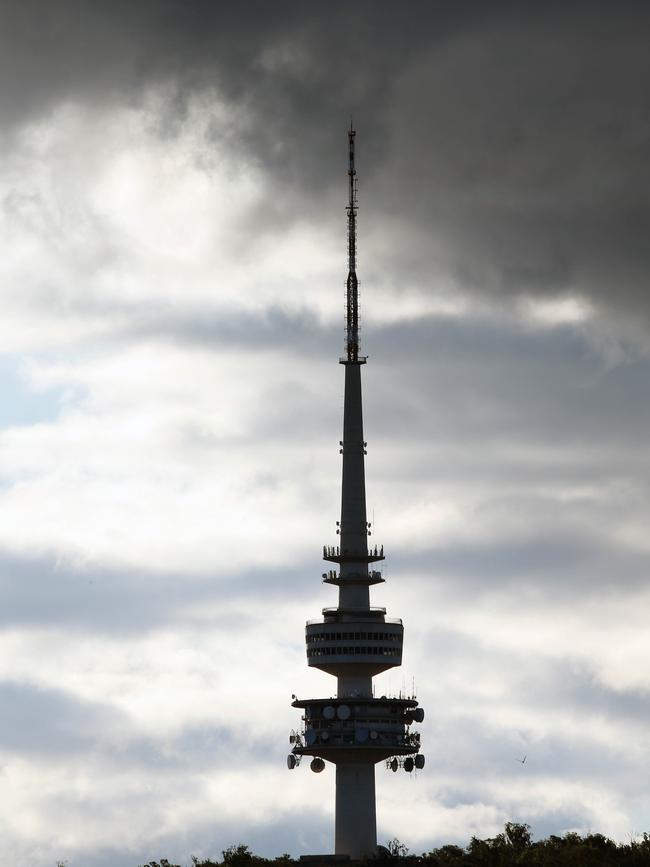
x=352 y=285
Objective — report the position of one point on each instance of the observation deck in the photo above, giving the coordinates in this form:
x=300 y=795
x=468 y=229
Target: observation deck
x=363 y=643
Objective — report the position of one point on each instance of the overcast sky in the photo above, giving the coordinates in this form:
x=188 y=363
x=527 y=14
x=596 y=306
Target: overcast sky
x=172 y=224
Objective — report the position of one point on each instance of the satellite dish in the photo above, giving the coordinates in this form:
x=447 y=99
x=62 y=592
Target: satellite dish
x=374 y=735
x=394 y=765
x=418 y=714
x=361 y=736
x=343 y=712
x=317 y=765
x=291 y=761
x=409 y=764
x=310 y=737
x=419 y=762
x=329 y=712
x=324 y=736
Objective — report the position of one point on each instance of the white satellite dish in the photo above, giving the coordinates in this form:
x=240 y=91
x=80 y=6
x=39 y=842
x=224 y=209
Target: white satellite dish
x=329 y=712
x=291 y=762
x=343 y=712
x=419 y=761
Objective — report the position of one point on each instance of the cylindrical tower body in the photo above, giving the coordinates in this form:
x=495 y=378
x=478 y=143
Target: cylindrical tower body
x=355 y=830
x=355 y=641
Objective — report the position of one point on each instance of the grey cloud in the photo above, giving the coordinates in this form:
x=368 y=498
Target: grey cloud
x=558 y=560
x=468 y=377
x=41 y=591
x=208 y=839
x=484 y=748
x=58 y=727
x=483 y=378
x=297 y=333
x=533 y=161
x=50 y=722
x=513 y=139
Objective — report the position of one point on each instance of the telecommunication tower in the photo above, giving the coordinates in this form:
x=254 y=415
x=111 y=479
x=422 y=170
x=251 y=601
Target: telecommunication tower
x=354 y=641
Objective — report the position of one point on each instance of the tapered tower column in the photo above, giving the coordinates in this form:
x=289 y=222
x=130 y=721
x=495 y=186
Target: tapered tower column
x=355 y=641
x=353 y=526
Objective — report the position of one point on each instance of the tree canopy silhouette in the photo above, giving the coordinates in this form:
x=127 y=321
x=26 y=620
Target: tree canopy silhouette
x=514 y=847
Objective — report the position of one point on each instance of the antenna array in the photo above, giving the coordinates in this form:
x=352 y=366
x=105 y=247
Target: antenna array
x=352 y=285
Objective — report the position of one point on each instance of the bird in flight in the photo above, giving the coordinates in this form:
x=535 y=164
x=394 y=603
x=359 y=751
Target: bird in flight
x=522 y=761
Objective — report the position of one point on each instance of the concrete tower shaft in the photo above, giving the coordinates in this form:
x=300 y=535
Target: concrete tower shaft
x=355 y=641
x=353 y=526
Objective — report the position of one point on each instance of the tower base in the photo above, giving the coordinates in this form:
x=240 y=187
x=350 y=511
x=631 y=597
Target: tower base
x=356 y=821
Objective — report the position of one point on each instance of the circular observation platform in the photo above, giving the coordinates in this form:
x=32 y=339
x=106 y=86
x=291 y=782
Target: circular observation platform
x=359 y=646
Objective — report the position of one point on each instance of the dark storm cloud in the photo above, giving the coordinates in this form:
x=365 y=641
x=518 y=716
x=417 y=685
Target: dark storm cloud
x=508 y=142
x=536 y=130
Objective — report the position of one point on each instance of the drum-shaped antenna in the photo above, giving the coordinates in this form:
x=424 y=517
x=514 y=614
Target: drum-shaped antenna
x=419 y=761
x=291 y=762
x=343 y=711
x=409 y=764
x=317 y=765
x=329 y=712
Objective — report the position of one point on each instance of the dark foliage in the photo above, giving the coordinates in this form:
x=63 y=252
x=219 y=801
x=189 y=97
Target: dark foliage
x=514 y=847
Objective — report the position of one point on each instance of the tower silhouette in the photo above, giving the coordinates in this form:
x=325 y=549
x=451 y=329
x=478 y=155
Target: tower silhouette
x=354 y=641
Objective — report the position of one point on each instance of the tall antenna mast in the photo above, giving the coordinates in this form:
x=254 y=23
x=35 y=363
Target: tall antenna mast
x=355 y=641
x=352 y=295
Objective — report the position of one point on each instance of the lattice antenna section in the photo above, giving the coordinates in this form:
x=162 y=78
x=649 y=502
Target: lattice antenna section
x=352 y=285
